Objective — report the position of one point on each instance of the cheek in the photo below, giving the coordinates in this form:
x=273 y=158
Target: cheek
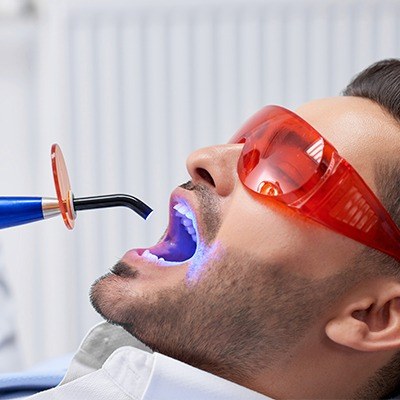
x=258 y=228
x=271 y=232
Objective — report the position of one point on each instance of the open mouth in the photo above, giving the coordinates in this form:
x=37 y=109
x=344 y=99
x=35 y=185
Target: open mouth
x=180 y=242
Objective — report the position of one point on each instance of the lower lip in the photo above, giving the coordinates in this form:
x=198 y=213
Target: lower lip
x=134 y=256
x=149 y=271
x=139 y=263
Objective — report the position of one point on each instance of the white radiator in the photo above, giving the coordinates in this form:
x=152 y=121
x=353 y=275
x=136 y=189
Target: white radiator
x=129 y=89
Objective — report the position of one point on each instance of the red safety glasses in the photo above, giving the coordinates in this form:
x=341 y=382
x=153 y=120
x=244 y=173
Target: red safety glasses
x=287 y=160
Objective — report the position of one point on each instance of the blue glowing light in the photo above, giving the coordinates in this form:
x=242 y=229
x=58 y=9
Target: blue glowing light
x=200 y=260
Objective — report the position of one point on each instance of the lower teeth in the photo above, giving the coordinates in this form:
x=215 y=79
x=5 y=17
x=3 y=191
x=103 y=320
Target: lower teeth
x=149 y=255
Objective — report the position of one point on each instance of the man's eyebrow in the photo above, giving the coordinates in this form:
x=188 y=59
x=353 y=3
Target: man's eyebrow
x=291 y=136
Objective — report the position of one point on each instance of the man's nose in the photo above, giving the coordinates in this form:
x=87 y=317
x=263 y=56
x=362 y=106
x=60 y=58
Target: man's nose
x=216 y=167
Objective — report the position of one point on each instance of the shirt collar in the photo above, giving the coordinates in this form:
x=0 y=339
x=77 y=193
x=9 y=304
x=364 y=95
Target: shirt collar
x=169 y=378
x=192 y=383
x=97 y=346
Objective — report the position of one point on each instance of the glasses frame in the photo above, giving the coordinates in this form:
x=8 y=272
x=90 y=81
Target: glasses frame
x=335 y=195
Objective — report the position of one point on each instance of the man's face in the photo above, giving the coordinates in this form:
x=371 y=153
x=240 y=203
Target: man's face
x=260 y=275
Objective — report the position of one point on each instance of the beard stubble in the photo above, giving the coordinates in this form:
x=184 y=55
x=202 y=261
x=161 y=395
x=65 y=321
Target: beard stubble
x=240 y=316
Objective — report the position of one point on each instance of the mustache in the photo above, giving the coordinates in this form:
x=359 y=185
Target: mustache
x=209 y=207
x=124 y=270
x=189 y=185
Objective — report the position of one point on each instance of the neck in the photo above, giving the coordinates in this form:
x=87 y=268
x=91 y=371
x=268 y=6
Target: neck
x=319 y=369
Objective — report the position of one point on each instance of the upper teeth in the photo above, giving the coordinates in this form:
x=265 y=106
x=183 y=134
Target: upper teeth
x=187 y=218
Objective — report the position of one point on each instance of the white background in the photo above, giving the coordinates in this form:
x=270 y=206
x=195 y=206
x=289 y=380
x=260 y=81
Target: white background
x=128 y=89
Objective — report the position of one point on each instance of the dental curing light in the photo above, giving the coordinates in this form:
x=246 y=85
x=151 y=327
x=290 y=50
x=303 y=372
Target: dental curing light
x=23 y=210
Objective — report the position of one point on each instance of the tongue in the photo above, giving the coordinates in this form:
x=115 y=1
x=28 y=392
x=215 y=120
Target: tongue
x=179 y=248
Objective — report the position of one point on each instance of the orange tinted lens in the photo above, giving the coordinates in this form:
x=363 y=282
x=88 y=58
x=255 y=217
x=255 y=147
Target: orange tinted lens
x=255 y=120
x=281 y=155
x=62 y=185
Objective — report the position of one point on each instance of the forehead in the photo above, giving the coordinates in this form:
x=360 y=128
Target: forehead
x=361 y=131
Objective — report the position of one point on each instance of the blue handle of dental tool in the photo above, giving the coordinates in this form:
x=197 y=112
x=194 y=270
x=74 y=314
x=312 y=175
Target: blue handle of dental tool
x=19 y=210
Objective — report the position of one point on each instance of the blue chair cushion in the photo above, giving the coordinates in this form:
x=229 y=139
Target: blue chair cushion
x=41 y=377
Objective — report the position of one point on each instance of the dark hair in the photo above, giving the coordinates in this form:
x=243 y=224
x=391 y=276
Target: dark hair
x=381 y=83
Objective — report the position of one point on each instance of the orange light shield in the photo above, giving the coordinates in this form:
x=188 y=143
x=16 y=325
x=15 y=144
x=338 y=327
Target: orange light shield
x=63 y=186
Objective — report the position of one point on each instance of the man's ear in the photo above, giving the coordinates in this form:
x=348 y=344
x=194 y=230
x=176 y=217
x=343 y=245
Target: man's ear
x=369 y=320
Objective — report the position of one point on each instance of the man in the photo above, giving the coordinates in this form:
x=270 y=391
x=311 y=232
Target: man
x=253 y=293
